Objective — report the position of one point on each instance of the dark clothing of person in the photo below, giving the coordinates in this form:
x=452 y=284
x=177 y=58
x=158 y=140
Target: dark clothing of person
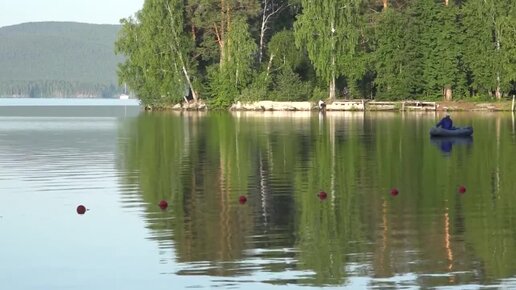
x=445 y=123
x=322 y=106
x=446 y=146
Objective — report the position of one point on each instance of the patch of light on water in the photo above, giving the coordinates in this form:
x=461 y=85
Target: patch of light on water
x=470 y=286
x=400 y=281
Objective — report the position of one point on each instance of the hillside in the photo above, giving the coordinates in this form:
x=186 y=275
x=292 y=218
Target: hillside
x=58 y=59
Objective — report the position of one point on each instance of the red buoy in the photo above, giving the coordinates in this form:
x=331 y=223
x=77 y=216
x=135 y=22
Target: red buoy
x=163 y=204
x=81 y=209
x=322 y=195
x=242 y=199
x=394 y=191
x=461 y=189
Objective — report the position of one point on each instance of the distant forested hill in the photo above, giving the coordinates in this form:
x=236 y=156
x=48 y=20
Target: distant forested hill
x=58 y=59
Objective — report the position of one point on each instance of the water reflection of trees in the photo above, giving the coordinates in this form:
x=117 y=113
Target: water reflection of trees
x=203 y=162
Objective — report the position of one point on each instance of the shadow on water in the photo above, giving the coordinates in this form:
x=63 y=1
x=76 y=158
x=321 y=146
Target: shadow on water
x=445 y=144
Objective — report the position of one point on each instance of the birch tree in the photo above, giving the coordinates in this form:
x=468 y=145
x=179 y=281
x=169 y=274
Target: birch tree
x=157 y=49
x=235 y=70
x=328 y=29
x=269 y=9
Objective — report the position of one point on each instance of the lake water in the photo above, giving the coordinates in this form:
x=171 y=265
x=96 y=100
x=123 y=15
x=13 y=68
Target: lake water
x=69 y=107
x=120 y=167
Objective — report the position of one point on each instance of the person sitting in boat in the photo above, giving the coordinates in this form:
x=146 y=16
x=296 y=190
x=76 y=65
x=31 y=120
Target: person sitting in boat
x=446 y=123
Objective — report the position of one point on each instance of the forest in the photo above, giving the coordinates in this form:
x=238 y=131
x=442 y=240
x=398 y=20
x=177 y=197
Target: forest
x=58 y=59
x=222 y=51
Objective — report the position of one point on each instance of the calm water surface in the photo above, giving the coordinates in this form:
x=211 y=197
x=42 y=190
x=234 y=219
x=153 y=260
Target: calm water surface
x=360 y=236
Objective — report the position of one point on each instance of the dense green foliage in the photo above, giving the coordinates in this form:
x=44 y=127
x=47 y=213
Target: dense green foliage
x=255 y=49
x=329 y=30
x=58 y=59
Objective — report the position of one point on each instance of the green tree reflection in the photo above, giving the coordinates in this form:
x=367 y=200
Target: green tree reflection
x=202 y=162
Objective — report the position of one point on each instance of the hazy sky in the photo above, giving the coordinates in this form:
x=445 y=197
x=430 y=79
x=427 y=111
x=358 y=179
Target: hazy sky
x=88 y=11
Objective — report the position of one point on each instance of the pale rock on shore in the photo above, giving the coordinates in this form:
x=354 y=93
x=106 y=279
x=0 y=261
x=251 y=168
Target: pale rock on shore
x=273 y=106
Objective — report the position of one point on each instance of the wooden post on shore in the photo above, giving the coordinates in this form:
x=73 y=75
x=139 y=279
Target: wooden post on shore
x=512 y=103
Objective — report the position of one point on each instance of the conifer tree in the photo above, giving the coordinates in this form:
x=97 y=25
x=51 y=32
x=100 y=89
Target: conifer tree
x=439 y=42
x=390 y=55
x=490 y=46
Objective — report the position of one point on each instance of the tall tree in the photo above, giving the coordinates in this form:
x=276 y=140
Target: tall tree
x=439 y=41
x=270 y=8
x=179 y=40
x=214 y=20
x=397 y=57
x=451 y=75
x=328 y=29
x=282 y=52
x=224 y=44
x=157 y=53
x=235 y=70
x=490 y=34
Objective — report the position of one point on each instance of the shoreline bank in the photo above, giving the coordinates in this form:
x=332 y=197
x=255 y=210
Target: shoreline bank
x=357 y=105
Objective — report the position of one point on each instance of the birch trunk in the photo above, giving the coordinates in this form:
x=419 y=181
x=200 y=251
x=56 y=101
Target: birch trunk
x=268 y=11
x=187 y=77
x=332 y=88
x=262 y=31
x=498 y=93
x=176 y=49
x=447 y=93
x=333 y=63
x=447 y=90
x=269 y=65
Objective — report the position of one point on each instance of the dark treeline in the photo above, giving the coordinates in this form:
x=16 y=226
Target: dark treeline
x=223 y=51
x=57 y=89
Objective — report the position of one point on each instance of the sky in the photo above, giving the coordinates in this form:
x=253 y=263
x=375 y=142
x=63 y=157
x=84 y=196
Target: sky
x=88 y=11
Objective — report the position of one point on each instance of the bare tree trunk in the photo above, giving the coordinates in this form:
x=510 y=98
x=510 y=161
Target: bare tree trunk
x=194 y=33
x=187 y=77
x=220 y=42
x=268 y=11
x=385 y=4
x=447 y=90
x=220 y=31
x=227 y=28
x=263 y=27
x=447 y=93
x=332 y=88
x=175 y=48
x=333 y=64
x=498 y=92
x=269 y=65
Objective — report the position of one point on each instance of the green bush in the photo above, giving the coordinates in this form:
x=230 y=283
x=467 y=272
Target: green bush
x=289 y=87
x=257 y=90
